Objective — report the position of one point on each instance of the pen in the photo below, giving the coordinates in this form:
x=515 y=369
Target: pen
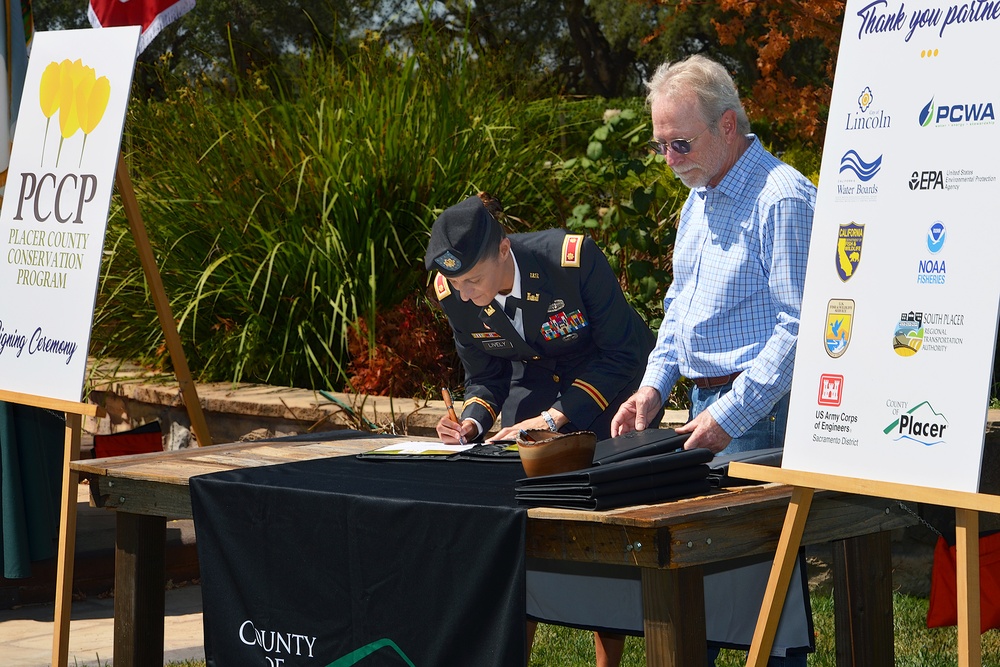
x=446 y=395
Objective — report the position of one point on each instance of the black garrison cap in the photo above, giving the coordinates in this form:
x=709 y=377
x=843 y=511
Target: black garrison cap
x=460 y=237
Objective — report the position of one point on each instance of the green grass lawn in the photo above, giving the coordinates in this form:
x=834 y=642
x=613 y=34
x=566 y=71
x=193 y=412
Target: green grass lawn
x=916 y=645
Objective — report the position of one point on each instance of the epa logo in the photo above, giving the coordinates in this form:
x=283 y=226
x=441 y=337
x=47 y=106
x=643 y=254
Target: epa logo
x=830 y=389
x=927 y=180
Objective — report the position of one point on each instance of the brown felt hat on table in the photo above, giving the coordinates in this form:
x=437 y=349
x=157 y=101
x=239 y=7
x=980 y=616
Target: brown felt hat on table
x=460 y=237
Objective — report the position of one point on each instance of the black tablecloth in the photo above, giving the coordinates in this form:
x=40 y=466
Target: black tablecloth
x=340 y=561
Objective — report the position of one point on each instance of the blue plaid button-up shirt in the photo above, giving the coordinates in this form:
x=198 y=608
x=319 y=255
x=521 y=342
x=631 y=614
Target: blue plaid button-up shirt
x=739 y=268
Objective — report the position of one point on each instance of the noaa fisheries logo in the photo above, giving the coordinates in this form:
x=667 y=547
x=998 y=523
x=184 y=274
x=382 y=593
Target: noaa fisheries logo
x=850 y=238
x=839 y=316
x=908 y=337
x=921 y=424
x=865 y=171
x=935 y=237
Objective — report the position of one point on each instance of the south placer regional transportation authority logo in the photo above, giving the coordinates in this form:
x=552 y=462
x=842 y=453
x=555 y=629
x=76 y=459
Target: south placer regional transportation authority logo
x=921 y=424
x=839 y=316
x=908 y=336
x=850 y=238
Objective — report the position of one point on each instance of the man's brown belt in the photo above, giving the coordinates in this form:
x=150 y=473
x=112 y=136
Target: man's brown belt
x=712 y=383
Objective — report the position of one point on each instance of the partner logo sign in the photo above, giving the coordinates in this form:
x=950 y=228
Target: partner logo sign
x=867 y=116
x=856 y=174
x=908 y=336
x=921 y=424
x=956 y=115
x=831 y=388
x=839 y=316
x=849 y=241
x=933 y=271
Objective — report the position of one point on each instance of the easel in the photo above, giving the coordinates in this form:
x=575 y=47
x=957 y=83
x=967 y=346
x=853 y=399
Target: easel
x=967 y=507
x=75 y=412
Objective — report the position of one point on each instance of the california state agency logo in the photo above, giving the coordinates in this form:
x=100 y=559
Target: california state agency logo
x=850 y=238
x=839 y=316
x=908 y=337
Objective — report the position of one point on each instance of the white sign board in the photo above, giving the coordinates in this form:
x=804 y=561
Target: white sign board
x=895 y=347
x=55 y=210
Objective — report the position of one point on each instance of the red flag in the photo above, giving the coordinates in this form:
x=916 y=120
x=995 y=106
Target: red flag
x=152 y=15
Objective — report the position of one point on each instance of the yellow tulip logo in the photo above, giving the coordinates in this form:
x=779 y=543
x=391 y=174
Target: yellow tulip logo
x=72 y=89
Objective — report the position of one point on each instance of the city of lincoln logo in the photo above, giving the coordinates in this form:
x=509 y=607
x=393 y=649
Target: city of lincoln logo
x=831 y=389
x=839 y=316
x=849 y=240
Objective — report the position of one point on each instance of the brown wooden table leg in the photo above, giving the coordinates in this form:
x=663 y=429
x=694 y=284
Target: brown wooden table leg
x=139 y=598
x=862 y=594
x=673 y=609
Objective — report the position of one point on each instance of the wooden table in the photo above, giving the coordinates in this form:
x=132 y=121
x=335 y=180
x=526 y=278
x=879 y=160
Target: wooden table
x=669 y=542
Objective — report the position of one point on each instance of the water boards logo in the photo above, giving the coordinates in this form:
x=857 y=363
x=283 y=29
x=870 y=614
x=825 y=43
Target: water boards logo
x=908 y=337
x=850 y=238
x=831 y=388
x=933 y=271
x=839 y=316
x=956 y=115
x=854 y=168
x=867 y=117
x=921 y=424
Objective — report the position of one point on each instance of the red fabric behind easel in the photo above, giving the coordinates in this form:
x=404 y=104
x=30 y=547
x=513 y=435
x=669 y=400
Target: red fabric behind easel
x=943 y=609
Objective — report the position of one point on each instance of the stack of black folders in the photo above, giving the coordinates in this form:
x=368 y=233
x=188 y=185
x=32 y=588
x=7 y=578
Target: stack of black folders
x=638 y=468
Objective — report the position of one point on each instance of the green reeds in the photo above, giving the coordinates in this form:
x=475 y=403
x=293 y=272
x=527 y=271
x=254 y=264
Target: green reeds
x=282 y=213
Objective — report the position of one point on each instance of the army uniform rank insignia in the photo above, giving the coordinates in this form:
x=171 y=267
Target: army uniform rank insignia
x=441 y=287
x=571 y=250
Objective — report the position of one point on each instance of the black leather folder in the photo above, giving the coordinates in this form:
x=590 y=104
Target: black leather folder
x=638 y=443
x=613 y=501
x=719 y=474
x=643 y=480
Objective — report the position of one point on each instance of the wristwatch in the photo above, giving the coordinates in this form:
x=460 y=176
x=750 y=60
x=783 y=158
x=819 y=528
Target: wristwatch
x=549 y=420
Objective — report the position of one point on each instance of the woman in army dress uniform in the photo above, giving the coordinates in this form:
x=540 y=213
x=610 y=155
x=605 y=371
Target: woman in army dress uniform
x=547 y=341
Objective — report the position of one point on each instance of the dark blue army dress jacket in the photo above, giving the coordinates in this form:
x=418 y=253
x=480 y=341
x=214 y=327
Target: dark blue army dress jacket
x=584 y=348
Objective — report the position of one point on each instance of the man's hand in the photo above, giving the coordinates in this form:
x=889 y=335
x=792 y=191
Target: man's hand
x=537 y=423
x=705 y=433
x=453 y=433
x=636 y=412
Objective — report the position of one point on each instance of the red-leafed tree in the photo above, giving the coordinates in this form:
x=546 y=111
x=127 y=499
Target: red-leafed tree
x=783 y=51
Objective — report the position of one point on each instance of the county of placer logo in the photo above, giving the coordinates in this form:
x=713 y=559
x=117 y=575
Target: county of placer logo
x=839 y=315
x=849 y=241
x=908 y=336
x=921 y=424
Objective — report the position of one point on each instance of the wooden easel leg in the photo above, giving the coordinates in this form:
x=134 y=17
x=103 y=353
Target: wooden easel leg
x=67 y=543
x=162 y=304
x=781 y=575
x=970 y=649
x=673 y=609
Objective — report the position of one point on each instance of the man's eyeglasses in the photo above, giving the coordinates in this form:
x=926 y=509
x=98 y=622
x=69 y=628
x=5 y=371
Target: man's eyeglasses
x=679 y=146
